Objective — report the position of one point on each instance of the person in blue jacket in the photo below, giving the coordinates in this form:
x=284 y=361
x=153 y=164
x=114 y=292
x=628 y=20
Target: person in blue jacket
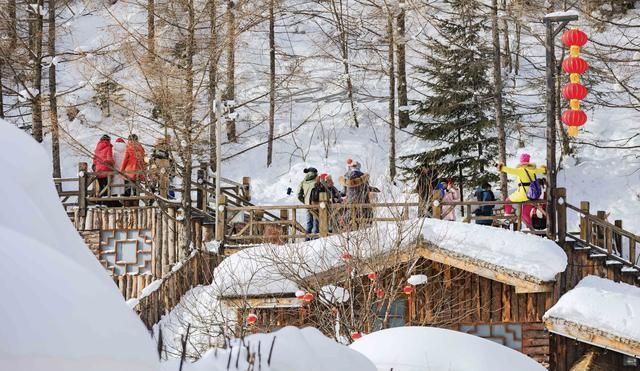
x=484 y=194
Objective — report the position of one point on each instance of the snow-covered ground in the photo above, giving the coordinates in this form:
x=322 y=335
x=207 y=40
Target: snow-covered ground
x=60 y=311
x=599 y=303
x=437 y=349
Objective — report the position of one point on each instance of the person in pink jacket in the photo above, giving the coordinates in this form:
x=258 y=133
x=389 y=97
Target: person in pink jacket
x=451 y=194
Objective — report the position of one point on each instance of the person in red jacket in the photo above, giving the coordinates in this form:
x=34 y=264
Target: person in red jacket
x=103 y=163
x=133 y=165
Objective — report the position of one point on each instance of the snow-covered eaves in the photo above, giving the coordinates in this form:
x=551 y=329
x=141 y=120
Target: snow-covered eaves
x=528 y=262
x=600 y=312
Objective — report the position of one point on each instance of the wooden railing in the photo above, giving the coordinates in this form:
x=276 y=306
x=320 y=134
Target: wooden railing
x=338 y=218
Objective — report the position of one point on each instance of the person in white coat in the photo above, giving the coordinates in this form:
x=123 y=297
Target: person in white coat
x=117 y=184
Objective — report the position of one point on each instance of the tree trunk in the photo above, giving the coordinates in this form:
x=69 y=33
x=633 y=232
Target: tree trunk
x=213 y=81
x=272 y=81
x=188 y=130
x=508 y=62
x=53 y=94
x=151 y=28
x=392 y=98
x=230 y=93
x=403 y=112
x=13 y=33
x=35 y=38
x=516 y=64
x=497 y=96
x=1 y=88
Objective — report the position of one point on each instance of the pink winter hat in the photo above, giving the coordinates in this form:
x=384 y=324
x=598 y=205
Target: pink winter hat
x=119 y=140
x=525 y=158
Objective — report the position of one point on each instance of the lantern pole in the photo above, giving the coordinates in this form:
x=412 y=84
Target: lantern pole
x=552 y=31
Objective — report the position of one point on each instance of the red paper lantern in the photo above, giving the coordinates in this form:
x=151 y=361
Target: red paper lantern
x=574 y=118
x=356 y=335
x=573 y=37
x=346 y=256
x=408 y=289
x=373 y=276
x=574 y=91
x=575 y=65
x=308 y=297
x=380 y=293
x=300 y=294
x=252 y=319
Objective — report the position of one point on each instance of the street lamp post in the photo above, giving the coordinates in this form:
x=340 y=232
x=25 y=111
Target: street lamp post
x=551 y=32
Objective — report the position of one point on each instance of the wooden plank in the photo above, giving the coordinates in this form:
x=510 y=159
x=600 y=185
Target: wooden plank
x=497 y=274
x=593 y=336
x=485 y=300
x=496 y=292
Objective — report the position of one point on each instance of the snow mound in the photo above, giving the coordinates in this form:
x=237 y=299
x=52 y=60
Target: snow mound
x=293 y=350
x=599 y=303
x=436 y=349
x=531 y=255
x=59 y=309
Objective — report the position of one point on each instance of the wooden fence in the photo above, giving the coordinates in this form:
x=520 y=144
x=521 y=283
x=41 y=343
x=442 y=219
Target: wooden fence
x=196 y=270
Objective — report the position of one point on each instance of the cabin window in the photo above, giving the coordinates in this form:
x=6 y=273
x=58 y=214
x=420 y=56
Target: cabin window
x=396 y=314
x=509 y=335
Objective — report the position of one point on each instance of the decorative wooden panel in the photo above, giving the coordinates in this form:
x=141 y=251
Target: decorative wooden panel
x=126 y=251
x=507 y=334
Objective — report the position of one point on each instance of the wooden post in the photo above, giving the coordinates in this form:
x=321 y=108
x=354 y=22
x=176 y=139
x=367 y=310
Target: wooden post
x=221 y=213
x=246 y=187
x=436 y=210
x=584 y=207
x=200 y=194
x=600 y=231
x=323 y=214
x=617 y=237
x=82 y=189
x=284 y=217
x=632 y=250
x=561 y=208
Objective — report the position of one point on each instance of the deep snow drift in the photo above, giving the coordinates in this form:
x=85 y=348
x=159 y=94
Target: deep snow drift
x=293 y=350
x=437 y=349
x=59 y=310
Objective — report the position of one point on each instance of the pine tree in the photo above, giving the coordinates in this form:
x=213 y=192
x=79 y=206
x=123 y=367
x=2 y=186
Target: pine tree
x=455 y=117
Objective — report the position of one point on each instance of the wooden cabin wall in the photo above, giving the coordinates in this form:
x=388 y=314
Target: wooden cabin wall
x=567 y=351
x=164 y=233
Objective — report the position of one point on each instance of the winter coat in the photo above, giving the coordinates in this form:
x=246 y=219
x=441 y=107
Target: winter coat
x=103 y=159
x=525 y=174
x=304 y=191
x=117 y=183
x=133 y=162
x=356 y=186
x=449 y=211
x=485 y=210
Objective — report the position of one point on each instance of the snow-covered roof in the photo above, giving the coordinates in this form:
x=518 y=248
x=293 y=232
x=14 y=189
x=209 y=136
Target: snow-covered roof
x=431 y=348
x=601 y=312
x=293 y=350
x=59 y=310
x=276 y=269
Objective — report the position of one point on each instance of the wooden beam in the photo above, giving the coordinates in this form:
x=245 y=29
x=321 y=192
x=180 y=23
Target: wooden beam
x=593 y=336
x=522 y=283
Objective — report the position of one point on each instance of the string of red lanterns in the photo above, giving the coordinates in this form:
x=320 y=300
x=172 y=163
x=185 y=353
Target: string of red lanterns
x=574 y=92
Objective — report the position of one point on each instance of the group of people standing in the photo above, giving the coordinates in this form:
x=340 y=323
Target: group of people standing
x=530 y=188
x=122 y=166
x=356 y=191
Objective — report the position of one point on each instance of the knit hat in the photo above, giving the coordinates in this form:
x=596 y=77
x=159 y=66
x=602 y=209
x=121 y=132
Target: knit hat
x=323 y=176
x=310 y=170
x=525 y=158
x=105 y=137
x=353 y=164
x=119 y=140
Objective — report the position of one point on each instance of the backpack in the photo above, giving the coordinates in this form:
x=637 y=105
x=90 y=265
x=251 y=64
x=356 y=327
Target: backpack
x=535 y=190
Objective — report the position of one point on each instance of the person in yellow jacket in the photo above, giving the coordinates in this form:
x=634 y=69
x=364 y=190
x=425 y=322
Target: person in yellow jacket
x=526 y=172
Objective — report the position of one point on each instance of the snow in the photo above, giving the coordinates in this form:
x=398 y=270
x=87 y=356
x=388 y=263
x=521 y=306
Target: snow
x=268 y=269
x=59 y=310
x=570 y=12
x=436 y=349
x=417 y=279
x=293 y=350
x=612 y=307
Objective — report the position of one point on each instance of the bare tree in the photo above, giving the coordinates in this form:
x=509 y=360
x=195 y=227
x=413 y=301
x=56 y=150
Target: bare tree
x=497 y=95
x=53 y=90
x=401 y=40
